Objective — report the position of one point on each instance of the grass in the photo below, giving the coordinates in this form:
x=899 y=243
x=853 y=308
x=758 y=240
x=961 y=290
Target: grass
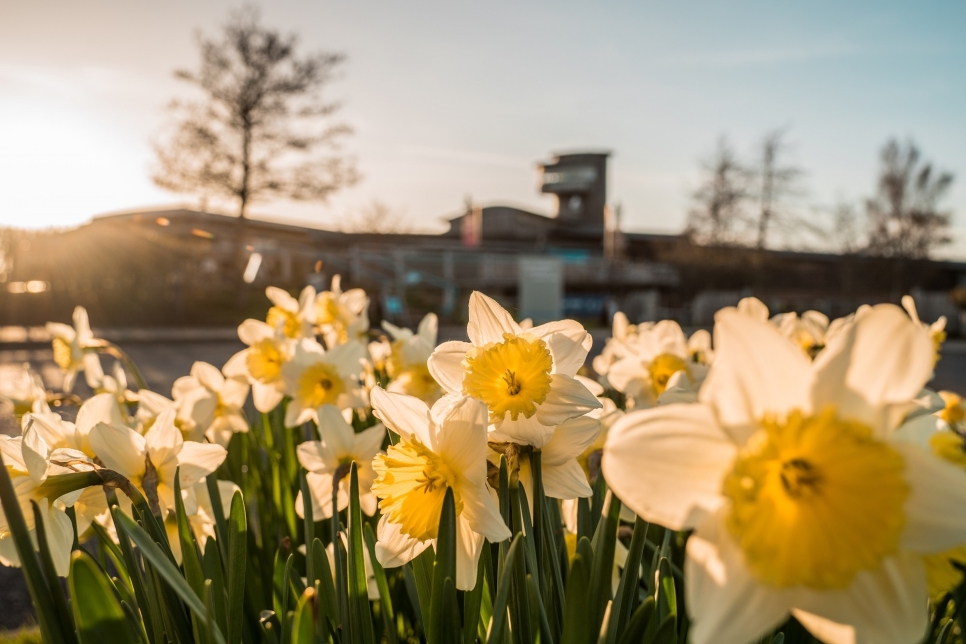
x=24 y=635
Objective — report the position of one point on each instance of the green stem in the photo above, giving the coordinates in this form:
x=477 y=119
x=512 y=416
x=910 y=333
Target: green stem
x=115 y=351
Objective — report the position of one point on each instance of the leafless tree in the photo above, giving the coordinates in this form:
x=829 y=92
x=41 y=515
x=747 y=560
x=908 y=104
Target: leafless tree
x=845 y=235
x=777 y=182
x=719 y=203
x=377 y=217
x=262 y=129
x=904 y=217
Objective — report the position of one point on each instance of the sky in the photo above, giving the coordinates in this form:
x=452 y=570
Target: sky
x=450 y=99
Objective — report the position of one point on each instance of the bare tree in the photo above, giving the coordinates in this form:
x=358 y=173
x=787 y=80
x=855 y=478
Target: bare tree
x=262 y=130
x=719 y=202
x=845 y=235
x=377 y=217
x=904 y=217
x=777 y=183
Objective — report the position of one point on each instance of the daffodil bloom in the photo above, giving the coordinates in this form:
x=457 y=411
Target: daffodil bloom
x=652 y=358
x=268 y=350
x=75 y=349
x=341 y=316
x=807 y=332
x=438 y=449
x=151 y=461
x=622 y=331
x=295 y=318
x=316 y=377
x=406 y=363
x=331 y=457
x=699 y=347
x=211 y=405
x=802 y=499
x=28 y=462
x=937 y=330
x=25 y=391
x=525 y=377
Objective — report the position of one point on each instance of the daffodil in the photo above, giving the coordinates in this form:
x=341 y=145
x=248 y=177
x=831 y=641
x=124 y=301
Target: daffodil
x=622 y=332
x=151 y=461
x=699 y=347
x=525 y=377
x=937 y=330
x=75 y=349
x=802 y=499
x=211 y=405
x=295 y=318
x=807 y=332
x=406 y=363
x=327 y=462
x=25 y=391
x=316 y=377
x=341 y=316
x=268 y=350
x=438 y=449
x=652 y=358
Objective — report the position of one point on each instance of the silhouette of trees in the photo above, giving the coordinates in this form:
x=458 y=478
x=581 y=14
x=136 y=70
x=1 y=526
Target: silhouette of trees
x=719 y=203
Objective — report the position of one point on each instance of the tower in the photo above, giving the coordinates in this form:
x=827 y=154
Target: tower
x=580 y=182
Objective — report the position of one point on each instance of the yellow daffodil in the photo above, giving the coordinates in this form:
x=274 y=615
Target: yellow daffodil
x=75 y=349
x=438 y=449
x=25 y=390
x=806 y=331
x=295 y=318
x=406 y=363
x=802 y=498
x=341 y=316
x=622 y=331
x=211 y=405
x=316 y=377
x=331 y=457
x=269 y=349
x=525 y=377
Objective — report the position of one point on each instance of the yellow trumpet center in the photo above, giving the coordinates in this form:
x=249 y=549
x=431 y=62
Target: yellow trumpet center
x=815 y=500
x=63 y=356
x=942 y=574
x=417 y=381
x=411 y=485
x=512 y=376
x=662 y=368
x=291 y=326
x=953 y=413
x=320 y=384
x=264 y=361
x=327 y=309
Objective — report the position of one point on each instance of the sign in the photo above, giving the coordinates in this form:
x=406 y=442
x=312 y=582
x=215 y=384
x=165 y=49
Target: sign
x=540 y=288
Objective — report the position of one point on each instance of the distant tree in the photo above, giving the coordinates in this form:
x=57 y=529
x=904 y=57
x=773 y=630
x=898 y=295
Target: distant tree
x=377 y=217
x=903 y=216
x=845 y=235
x=719 y=202
x=776 y=183
x=262 y=130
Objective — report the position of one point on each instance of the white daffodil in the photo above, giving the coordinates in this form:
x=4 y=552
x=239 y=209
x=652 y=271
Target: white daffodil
x=699 y=347
x=209 y=404
x=806 y=331
x=316 y=377
x=330 y=458
x=622 y=332
x=937 y=330
x=25 y=391
x=295 y=318
x=525 y=377
x=653 y=357
x=268 y=349
x=342 y=316
x=75 y=349
x=28 y=462
x=803 y=500
x=406 y=363
x=151 y=461
x=439 y=449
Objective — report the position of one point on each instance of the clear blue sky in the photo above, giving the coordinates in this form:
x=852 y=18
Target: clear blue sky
x=462 y=98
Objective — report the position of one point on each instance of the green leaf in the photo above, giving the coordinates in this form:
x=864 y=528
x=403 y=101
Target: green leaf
x=637 y=625
x=328 y=607
x=221 y=524
x=449 y=627
x=602 y=567
x=578 y=627
x=628 y=587
x=665 y=633
x=50 y=571
x=216 y=575
x=237 y=556
x=667 y=603
x=57 y=486
x=443 y=568
x=164 y=568
x=385 y=600
x=472 y=601
x=308 y=526
x=360 y=617
x=190 y=560
x=303 y=624
x=780 y=637
x=498 y=624
x=143 y=591
x=97 y=611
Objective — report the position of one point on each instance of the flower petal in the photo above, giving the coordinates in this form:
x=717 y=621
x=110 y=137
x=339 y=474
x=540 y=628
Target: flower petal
x=163 y=440
x=252 y=331
x=481 y=511
x=198 y=460
x=523 y=430
x=726 y=602
x=337 y=435
x=314 y=457
x=488 y=320
x=446 y=365
x=882 y=359
x=570 y=439
x=934 y=517
x=120 y=448
x=393 y=548
x=568 y=343
x=469 y=545
x=756 y=371
x=568 y=398
x=886 y=605
x=461 y=435
x=667 y=463
x=407 y=416
x=566 y=481
x=266 y=397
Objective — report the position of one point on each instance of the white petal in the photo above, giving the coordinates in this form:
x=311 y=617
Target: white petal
x=667 y=463
x=882 y=359
x=461 y=435
x=314 y=457
x=368 y=442
x=446 y=365
x=756 y=372
x=266 y=397
x=35 y=453
x=886 y=605
x=428 y=328
x=482 y=511
x=568 y=398
x=348 y=358
x=727 y=604
x=628 y=375
x=566 y=481
x=209 y=376
x=935 y=519
x=918 y=430
x=488 y=320
x=163 y=440
x=570 y=439
x=670 y=338
x=296 y=414
x=252 y=331
x=198 y=460
x=405 y=415
x=592 y=385
x=101 y=408
x=237 y=366
x=469 y=545
x=523 y=430
x=568 y=343
x=120 y=448
x=393 y=548
x=336 y=433
x=282 y=299
x=320 y=491
x=60 y=536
